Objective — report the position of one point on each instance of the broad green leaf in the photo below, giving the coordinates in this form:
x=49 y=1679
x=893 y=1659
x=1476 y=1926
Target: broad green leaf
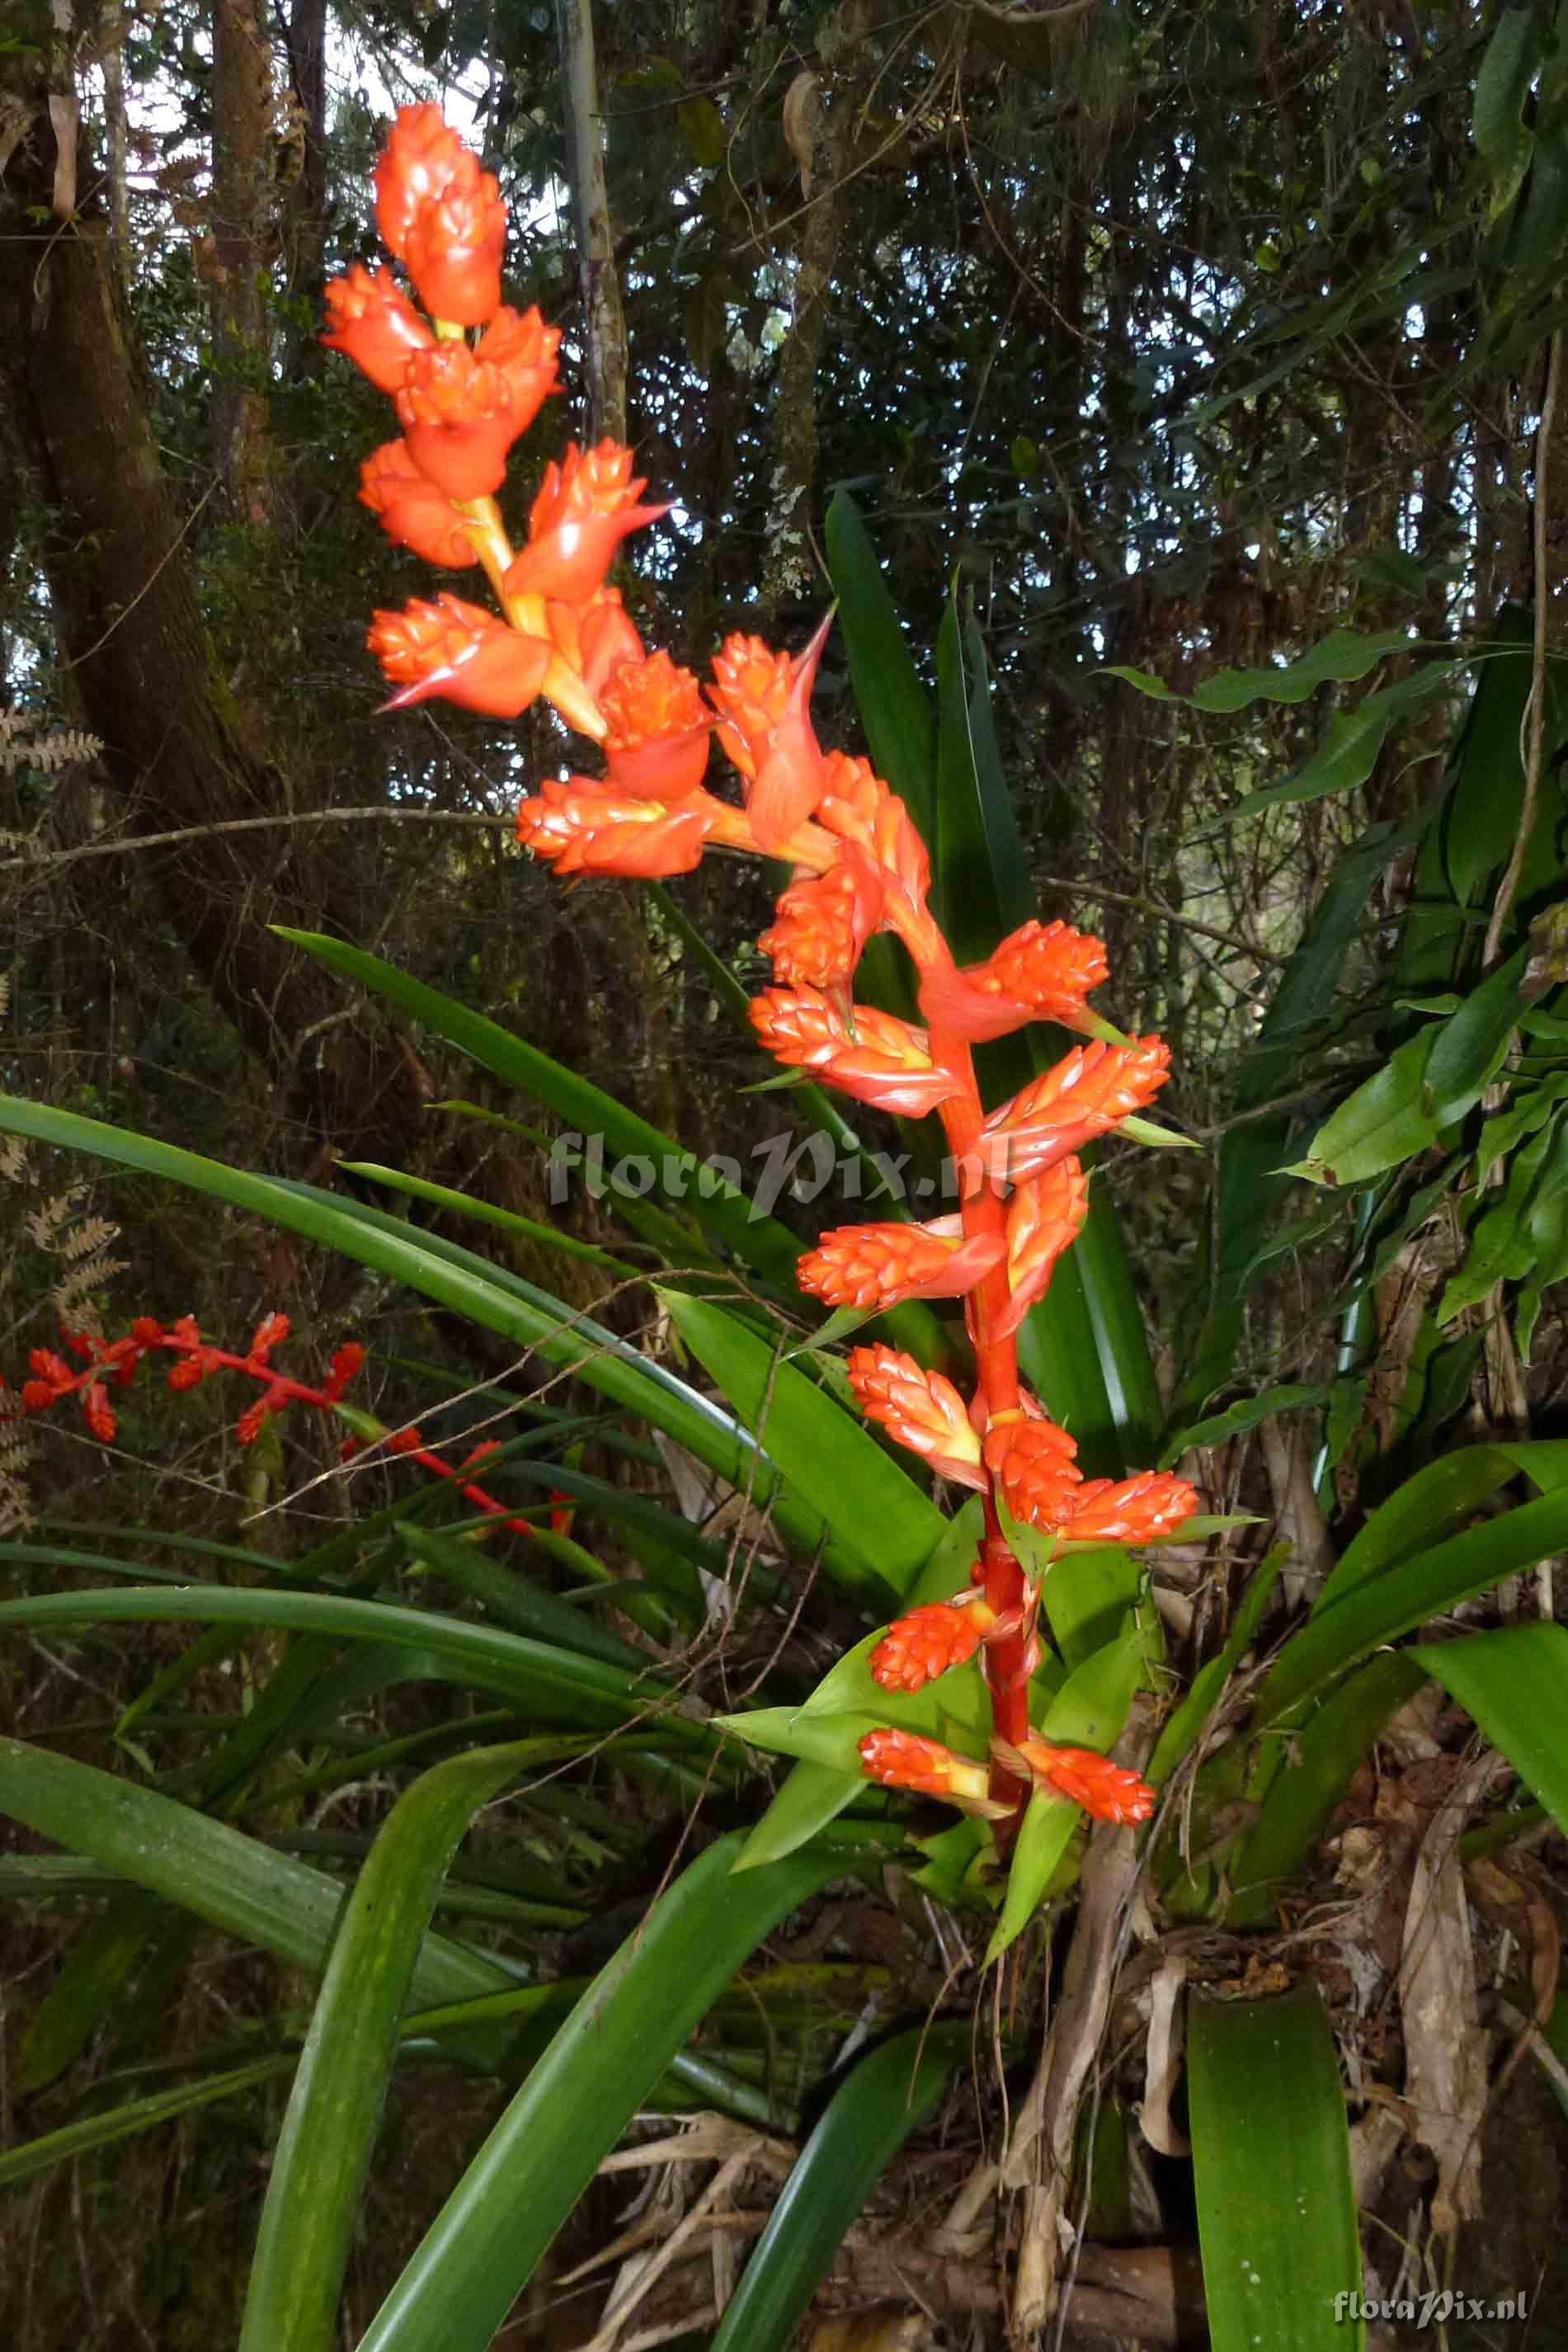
x=1383 y=1122
x=599 y=2069
x=1546 y=1235
x=1089 y=1710
x=1434 y=1499
x=759 y=1240
x=866 y=2122
x=1499 y=1238
x=1246 y=1413
x=1502 y=139
x=1407 y=1594
x=879 y=1515
x=323 y=2153
x=1086 y=1597
x=811 y=1796
x=1343 y=761
x=1270 y=2154
x=1345 y=654
x=1512 y=1683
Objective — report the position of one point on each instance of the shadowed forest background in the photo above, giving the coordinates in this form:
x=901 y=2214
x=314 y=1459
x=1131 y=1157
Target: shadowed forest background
x=1170 y=340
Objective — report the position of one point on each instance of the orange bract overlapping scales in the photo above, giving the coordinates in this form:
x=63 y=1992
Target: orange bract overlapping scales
x=857 y=807
x=1089 y=1092
x=1045 y=1217
x=905 y=1759
x=413 y=510
x=1042 y=972
x=454 y=247
x=656 y=728
x=583 y=828
x=1107 y=1791
x=921 y=1410
x=372 y=323
x=823 y=923
x=462 y=653
x=586 y=505
x=884 y=1062
x=927 y=1643
x=879 y=1266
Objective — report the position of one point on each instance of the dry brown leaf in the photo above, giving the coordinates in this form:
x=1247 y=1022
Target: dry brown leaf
x=889 y=2328
x=1446 y=2052
x=801 y=121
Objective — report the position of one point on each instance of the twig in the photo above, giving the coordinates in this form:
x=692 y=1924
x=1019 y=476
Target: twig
x=1536 y=754
x=34 y=863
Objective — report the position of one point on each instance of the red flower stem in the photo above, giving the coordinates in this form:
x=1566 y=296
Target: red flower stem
x=1006 y=1588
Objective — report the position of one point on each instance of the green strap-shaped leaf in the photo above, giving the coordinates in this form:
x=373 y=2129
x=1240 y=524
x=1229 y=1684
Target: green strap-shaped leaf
x=484 y=2245
x=1343 y=655
x=759 y=1242
x=895 y=708
x=879 y=1515
x=1513 y=1681
x=869 y=2117
x=323 y=2152
x=1271 y=2154
x=1406 y=1594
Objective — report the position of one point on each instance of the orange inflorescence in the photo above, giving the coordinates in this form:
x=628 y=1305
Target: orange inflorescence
x=921 y=1410
x=823 y=923
x=879 y=1266
x=588 y=828
x=1044 y=971
x=1091 y=1090
x=883 y=1061
x=904 y=1759
x=656 y=737
x=860 y=867
x=1107 y=1791
x=918 y=1647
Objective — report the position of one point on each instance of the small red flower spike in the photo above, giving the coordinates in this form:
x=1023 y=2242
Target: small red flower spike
x=344 y=1365
x=1107 y=1791
x=583 y=828
x=1128 y=1510
x=921 y=1410
x=918 y=1647
x=373 y=323
x=823 y=923
x=1032 y=1463
x=879 y=1266
x=1045 y=1217
x=413 y=511
x=270 y=1332
x=421 y=157
x=1092 y=1090
x=884 y=1062
x=1042 y=972
x=657 y=739
x=460 y=653
x=750 y=693
x=454 y=247
x=96 y=1411
x=903 y=1759
x=586 y=507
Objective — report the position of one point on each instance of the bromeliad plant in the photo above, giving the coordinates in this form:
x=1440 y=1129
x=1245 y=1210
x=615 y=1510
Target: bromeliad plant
x=859 y=867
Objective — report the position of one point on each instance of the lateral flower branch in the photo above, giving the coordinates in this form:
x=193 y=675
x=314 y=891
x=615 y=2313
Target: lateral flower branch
x=859 y=867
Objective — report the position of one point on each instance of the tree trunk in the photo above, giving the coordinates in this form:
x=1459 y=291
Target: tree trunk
x=178 y=751
x=603 y=319
x=237 y=260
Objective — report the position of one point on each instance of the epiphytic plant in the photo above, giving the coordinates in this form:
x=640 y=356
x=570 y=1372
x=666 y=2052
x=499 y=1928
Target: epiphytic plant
x=859 y=867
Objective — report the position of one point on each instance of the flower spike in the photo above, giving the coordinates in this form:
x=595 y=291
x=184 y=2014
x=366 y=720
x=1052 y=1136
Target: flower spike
x=921 y=1410
x=1107 y=1791
x=1045 y=1217
x=884 y=1062
x=904 y=1759
x=373 y=323
x=413 y=511
x=1089 y=1092
x=581 y=828
x=1042 y=972
x=462 y=653
x=880 y=1266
